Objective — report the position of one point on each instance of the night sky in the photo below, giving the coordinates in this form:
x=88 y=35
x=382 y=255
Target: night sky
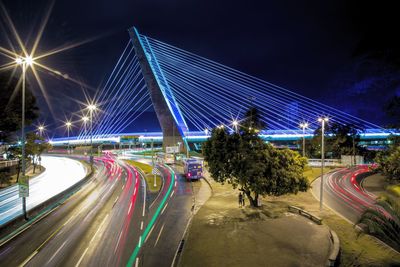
x=342 y=53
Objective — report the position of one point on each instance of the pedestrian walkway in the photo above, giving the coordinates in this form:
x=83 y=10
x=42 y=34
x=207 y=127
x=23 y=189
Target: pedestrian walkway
x=222 y=234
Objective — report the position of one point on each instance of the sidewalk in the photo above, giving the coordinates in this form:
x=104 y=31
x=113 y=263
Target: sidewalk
x=222 y=234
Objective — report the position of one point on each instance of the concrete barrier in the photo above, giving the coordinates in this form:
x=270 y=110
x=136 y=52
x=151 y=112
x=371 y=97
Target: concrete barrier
x=306 y=214
x=334 y=255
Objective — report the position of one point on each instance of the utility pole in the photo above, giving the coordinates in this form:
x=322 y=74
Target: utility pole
x=322 y=120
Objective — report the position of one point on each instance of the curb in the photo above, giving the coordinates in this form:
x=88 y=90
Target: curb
x=43 y=209
x=334 y=255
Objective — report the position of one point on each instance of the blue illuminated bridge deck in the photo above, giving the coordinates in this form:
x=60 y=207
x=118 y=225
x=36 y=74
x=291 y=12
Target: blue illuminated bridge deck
x=368 y=137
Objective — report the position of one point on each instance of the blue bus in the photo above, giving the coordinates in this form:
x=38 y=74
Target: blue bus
x=192 y=169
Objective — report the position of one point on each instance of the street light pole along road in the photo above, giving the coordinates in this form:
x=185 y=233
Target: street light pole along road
x=322 y=120
x=304 y=125
x=27 y=61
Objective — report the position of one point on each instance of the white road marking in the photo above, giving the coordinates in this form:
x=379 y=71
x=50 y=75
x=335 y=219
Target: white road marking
x=119 y=238
x=58 y=250
x=159 y=234
x=130 y=206
x=141 y=225
x=81 y=258
x=29 y=258
x=164 y=208
x=137 y=262
x=172 y=193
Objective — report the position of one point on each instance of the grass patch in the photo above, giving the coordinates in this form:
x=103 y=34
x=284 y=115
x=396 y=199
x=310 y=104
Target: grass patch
x=312 y=173
x=149 y=177
x=394 y=189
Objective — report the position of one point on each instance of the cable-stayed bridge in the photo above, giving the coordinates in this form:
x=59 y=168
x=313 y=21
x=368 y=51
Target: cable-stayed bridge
x=192 y=94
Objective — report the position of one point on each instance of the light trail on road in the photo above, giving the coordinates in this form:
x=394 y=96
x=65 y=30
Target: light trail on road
x=60 y=174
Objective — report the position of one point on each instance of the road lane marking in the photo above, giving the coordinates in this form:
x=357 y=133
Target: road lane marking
x=141 y=225
x=166 y=205
x=98 y=229
x=159 y=234
x=115 y=201
x=81 y=258
x=149 y=234
x=119 y=238
x=172 y=193
x=29 y=258
x=58 y=250
x=137 y=262
x=130 y=206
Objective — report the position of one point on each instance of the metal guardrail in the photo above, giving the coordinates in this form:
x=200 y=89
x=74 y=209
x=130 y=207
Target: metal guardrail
x=306 y=214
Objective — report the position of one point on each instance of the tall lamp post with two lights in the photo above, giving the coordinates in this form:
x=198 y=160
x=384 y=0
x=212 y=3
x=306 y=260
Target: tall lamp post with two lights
x=322 y=121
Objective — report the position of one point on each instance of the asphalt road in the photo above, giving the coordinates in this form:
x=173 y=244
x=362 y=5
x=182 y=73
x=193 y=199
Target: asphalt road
x=111 y=221
x=60 y=174
x=344 y=193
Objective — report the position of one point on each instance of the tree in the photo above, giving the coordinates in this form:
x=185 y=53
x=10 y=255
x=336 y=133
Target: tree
x=383 y=221
x=389 y=164
x=34 y=147
x=256 y=168
x=10 y=105
x=392 y=110
x=340 y=139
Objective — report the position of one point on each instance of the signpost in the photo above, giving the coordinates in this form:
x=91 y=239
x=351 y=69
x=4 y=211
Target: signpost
x=23 y=183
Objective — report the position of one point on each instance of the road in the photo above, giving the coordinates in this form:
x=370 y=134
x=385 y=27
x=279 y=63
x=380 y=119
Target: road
x=60 y=174
x=344 y=193
x=111 y=221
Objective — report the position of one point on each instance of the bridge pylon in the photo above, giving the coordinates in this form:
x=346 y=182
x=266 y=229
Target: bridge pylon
x=172 y=123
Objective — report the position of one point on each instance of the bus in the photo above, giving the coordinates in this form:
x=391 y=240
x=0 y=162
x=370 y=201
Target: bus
x=165 y=158
x=192 y=169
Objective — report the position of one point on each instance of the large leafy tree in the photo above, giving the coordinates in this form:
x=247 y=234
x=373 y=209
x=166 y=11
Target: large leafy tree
x=389 y=163
x=10 y=105
x=383 y=221
x=256 y=168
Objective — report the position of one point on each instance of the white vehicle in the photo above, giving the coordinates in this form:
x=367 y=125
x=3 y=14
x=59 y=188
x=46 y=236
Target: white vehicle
x=165 y=158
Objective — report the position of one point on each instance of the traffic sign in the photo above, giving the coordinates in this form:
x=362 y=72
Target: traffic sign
x=23 y=183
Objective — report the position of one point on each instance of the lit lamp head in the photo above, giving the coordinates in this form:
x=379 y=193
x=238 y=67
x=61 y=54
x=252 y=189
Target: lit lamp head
x=92 y=107
x=29 y=60
x=325 y=119
x=85 y=119
x=41 y=128
x=304 y=125
x=19 y=60
x=68 y=124
x=221 y=126
x=235 y=123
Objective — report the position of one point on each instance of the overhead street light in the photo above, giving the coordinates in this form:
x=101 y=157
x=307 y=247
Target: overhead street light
x=68 y=124
x=304 y=125
x=92 y=108
x=24 y=62
x=235 y=124
x=322 y=120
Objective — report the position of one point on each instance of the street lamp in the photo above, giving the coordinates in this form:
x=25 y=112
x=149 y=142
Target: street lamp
x=304 y=125
x=68 y=124
x=85 y=119
x=25 y=62
x=322 y=121
x=41 y=129
x=92 y=108
x=235 y=124
x=206 y=131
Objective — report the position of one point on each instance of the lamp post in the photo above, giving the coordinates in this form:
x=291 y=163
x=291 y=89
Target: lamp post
x=91 y=108
x=25 y=62
x=85 y=120
x=41 y=129
x=68 y=124
x=235 y=124
x=304 y=125
x=323 y=121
